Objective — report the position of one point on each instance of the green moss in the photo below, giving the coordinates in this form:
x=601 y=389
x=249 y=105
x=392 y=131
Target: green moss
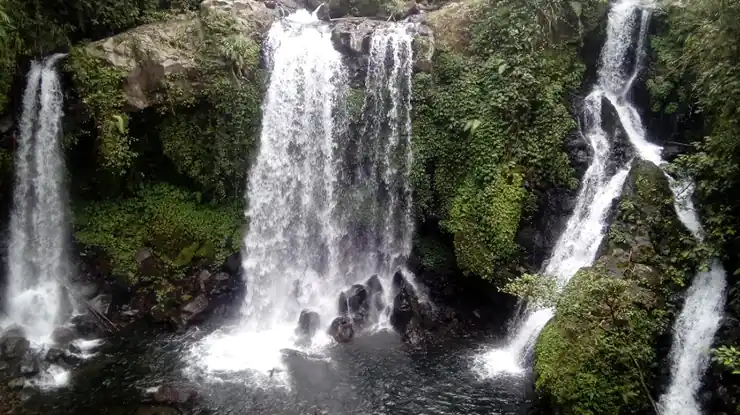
x=594 y=356
x=170 y=221
x=100 y=88
x=597 y=355
x=499 y=101
x=484 y=223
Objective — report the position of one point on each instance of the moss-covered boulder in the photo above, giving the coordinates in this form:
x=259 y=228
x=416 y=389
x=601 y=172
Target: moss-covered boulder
x=600 y=353
x=147 y=55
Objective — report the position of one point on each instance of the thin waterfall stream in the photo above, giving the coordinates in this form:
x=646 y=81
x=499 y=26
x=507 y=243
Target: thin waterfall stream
x=702 y=310
x=38 y=263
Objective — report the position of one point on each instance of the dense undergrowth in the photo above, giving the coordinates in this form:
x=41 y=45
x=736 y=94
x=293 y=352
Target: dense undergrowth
x=491 y=120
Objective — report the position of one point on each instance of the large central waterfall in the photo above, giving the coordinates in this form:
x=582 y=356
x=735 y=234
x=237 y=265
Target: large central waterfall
x=38 y=264
x=328 y=206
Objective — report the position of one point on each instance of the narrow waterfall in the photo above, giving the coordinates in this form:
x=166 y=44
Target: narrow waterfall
x=327 y=208
x=699 y=319
x=38 y=263
x=577 y=246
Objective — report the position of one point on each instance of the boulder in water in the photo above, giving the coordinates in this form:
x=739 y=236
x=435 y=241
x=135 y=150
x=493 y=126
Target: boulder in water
x=13 y=343
x=342 y=305
x=357 y=299
x=175 y=394
x=63 y=335
x=375 y=287
x=308 y=323
x=341 y=330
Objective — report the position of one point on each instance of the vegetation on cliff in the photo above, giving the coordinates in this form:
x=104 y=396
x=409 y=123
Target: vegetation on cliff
x=598 y=353
x=694 y=84
x=491 y=120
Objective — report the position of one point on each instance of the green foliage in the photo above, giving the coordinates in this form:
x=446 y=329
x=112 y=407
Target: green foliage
x=169 y=220
x=538 y=290
x=499 y=103
x=729 y=357
x=597 y=355
x=100 y=86
x=594 y=356
x=484 y=222
x=210 y=134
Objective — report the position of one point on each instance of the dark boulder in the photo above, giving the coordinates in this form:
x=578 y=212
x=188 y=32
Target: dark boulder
x=233 y=263
x=193 y=310
x=409 y=316
x=175 y=394
x=342 y=305
x=308 y=323
x=30 y=365
x=373 y=284
x=63 y=335
x=375 y=288
x=341 y=330
x=13 y=343
x=357 y=299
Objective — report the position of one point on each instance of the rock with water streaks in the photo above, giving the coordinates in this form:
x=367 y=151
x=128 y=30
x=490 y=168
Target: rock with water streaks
x=308 y=323
x=13 y=343
x=341 y=330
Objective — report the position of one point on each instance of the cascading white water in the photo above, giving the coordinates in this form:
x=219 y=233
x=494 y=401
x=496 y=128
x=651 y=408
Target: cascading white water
x=699 y=319
x=38 y=264
x=378 y=223
x=577 y=246
x=304 y=244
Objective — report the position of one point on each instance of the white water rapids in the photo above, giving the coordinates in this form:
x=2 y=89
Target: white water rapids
x=322 y=214
x=699 y=319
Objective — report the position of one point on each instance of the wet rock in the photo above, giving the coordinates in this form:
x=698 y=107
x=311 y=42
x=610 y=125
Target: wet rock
x=203 y=277
x=63 y=335
x=194 y=309
x=30 y=366
x=357 y=297
x=622 y=150
x=233 y=263
x=101 y=303
x=13 y=344
x=175 y=394
x=17 y=383
x=375 y=288
x=89 y=290
x=341 y=330
x=86 y=324
x=54 y=354
x=308 y=323
x=342 y=305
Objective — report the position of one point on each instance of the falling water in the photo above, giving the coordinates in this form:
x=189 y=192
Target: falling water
x=37 y=261
x=378 y=221
x=577 y=246
x=306 y=242
x=699 y=319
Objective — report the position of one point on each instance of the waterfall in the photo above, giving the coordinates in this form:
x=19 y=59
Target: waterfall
x=38 y=264
x=326 y=208
x=699 y=319
x=378 y=222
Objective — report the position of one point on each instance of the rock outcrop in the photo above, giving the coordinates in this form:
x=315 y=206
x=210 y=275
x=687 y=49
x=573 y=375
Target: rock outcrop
x=148 y=55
